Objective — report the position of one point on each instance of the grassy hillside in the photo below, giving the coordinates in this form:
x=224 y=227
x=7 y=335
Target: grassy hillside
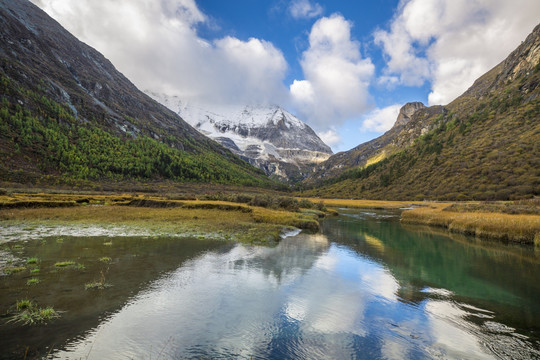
x=486 y=146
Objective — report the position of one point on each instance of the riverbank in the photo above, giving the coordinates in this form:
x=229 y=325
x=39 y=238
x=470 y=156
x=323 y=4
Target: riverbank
x=367 y=204
x=520 y=228
x=152 y=216
x=517 y=221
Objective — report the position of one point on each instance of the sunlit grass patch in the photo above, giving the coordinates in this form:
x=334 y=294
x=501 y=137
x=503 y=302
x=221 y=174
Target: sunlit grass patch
x=516 y=228
x=375 y=159
x=105 y=259
x=367 y=204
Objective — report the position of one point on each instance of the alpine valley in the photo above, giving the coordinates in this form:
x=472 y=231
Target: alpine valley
x=139 y=225
x=68 y=117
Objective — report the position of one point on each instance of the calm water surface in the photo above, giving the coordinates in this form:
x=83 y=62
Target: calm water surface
x=366 y=287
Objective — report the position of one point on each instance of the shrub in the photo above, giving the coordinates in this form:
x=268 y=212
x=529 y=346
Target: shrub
x=243 y=198
x=320 y=206
x=262 y=201
x=306 y=204
x=288 y=203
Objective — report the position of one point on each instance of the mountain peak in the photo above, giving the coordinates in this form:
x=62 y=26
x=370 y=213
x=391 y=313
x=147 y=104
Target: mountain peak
x=267 y=136
x=407 y=111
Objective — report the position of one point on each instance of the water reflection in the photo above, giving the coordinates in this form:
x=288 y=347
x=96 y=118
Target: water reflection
x=367 y=288
x=364 y=289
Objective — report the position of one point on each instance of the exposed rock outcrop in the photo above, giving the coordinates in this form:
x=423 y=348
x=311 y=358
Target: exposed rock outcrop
x=407 y=111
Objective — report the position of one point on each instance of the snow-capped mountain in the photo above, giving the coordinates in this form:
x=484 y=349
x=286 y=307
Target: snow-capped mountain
x=267 y=136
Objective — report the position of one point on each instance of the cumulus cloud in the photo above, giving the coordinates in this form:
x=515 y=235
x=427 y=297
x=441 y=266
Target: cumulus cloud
x=155 y=44
x=381 y=120
x=330 y=137
x=304 y=9
x=450 y=43
x=336 y=81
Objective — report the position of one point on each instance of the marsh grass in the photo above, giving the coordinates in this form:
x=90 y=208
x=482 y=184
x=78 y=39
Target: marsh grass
x=365 y=204
x=105 y=259
x=100 y=284
x=69 y=264
x=28 y=313
x=14 y=269
x=32 y=261
x=237 y=221
x=520 y=207
x=108 y=243
x=22 y=305
x=33 y=281
x=66 y=263
x=35 y=271
x=516 y=228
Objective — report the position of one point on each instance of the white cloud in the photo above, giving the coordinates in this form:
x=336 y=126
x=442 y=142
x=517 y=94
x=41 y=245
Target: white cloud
x=450 y=43
x=336 y=76
x=330 y=137
x=381 y=120
x=304 y=9
x=155 y=44
x=389 y=82
x=252 y=69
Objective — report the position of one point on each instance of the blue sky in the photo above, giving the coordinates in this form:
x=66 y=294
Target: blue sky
x=344 y=67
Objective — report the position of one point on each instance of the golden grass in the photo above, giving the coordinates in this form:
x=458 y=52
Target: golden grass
x=368 y=204
x=517 y=228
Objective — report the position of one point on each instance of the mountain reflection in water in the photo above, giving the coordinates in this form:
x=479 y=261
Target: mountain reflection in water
x=365 y=288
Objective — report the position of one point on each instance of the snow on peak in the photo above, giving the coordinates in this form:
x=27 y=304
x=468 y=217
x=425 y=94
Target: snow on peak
x=251 y=116
x=266 y=134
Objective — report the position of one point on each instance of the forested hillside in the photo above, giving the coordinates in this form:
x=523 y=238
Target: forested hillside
x=68 y=116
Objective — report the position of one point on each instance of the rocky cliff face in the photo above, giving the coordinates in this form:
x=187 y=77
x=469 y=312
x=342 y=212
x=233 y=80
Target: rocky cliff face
x=407 y=111
x=268 y=137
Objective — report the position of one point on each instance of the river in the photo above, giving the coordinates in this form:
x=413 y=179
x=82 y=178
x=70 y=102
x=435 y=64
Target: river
x=366 y=287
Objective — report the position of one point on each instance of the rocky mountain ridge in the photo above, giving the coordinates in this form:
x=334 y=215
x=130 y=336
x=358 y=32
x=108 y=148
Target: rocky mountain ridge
x=410 y=124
